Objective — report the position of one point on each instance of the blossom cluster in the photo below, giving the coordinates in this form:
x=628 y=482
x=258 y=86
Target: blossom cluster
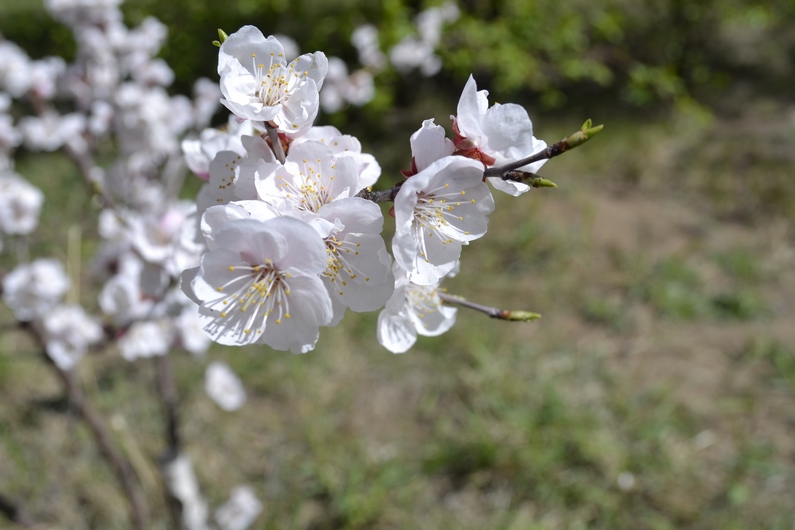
x=292 y=237
x=286 y=233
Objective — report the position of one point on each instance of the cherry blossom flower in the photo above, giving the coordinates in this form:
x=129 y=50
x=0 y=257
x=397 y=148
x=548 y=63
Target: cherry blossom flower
x=495 y=135
x=365 y=39
x=358 y=266
x=189 y=329
x=261 y=284
x=341 y=88
x=199 y=153
x=147 y=339
x=51 y=131
x=345 y=145
x=438 y=210
x=310 y=177
x=428 y=144
x=30 y=290
x=240 y=511
x=258 y=84
x=20 y=204
x=68 y=332
x=413 y=309
x=224 y=386
x=122 y=297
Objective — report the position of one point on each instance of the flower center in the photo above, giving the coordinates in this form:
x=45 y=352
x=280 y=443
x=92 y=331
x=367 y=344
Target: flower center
x=309 y=190
x=275 y=82
x=431 y=215
x=339 y=270
x=255 y=293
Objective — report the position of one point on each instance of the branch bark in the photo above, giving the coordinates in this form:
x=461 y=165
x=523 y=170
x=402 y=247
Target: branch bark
x=493 y=312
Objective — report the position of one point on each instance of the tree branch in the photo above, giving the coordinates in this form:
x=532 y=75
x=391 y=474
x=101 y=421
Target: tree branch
x=381 y=195
x=493 y=312
x=276 y=144
x=570 y=142
x=188 y=508
x=121 y=467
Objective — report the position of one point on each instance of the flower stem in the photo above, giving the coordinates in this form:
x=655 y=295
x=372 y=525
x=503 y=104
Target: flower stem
x=570 y=142
x=276 y=144
x=493 y=312
x=381 y=195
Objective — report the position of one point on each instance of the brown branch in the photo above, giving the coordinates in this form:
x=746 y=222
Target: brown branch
x=381 y=195
x=186 y=505
x=168 y=396
x=493 y=312
x=121 y=467
x=276 y=144
x=96 y=424
x=570 y=142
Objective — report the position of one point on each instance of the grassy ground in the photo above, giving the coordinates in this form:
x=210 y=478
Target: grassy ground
x=655 y=393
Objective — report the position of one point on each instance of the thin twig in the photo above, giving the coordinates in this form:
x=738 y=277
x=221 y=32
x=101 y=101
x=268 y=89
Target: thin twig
x=186 y=505
x=168 y=396
x=570 y=142
x=121 y=467
x=276 y=144
x=381 y=195
x=493 y=312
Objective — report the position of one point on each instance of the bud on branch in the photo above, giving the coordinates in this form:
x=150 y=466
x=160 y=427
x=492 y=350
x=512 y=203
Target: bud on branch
x=493 y=312
x=585 y=133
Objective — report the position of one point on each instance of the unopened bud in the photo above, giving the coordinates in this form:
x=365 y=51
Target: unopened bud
x=585 y=133
x=521 y=316
x=542 y=183
x=222 y=36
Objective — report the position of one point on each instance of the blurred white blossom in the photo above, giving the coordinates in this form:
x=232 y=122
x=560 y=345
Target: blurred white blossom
x=31 y=289
x=223 y=386
x=20 y=204
x=68 y=332
x=240 y=511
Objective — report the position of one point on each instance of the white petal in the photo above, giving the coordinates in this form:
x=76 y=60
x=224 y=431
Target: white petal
x=395 y=332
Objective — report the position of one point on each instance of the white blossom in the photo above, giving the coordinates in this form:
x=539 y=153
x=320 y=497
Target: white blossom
x=345 y=145
x=240 y=511
x=258 y=84
x=30 y=290
x=413 y=309
x=67 y=333
x=438 y=210
x=200 y=153
x=20 y=204
x=365 y=39
x=51 y=131
x=146 y=339
x=224 y=386
x=495 y=135
x=15 y=69
x=261 y=284
x=188 y=325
